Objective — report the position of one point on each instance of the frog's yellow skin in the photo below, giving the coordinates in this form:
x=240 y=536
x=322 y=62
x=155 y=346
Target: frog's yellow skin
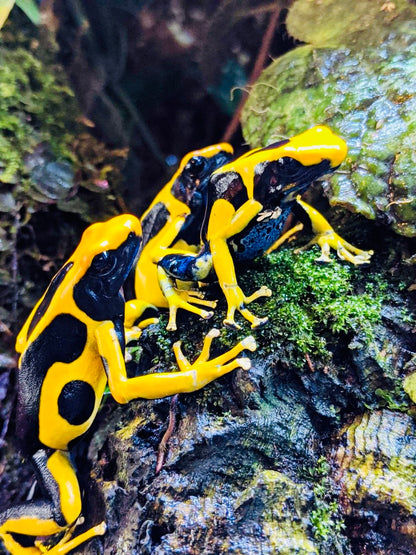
x=172 y=223
x=249 y=201
x=71 y=346
x=328 y=239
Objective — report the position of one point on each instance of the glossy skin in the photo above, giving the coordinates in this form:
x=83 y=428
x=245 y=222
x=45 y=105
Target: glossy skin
x=172 y=223
x=71 y=346
x=249 y=201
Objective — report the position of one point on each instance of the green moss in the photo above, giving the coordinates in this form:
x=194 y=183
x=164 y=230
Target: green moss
x=313 y=308
x=326 y=515
x=48 y=163
x=394 y=399
x=36 y=105
x=313 y=304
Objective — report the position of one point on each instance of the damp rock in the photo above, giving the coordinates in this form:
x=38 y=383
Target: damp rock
x=375 y=462
x=357 y=78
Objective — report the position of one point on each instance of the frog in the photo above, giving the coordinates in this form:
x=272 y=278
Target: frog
x=173 y=221
x=248 y=204
x=71 y=346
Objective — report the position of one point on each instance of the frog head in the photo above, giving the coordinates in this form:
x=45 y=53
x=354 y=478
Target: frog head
x=102 y=262
x=275 y=174
x=189 y=182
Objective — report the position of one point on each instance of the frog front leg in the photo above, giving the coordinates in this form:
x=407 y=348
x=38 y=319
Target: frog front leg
x=223 y=224
x=181 y=298
x=327 y=238
x=191 y=377
x=46 y=517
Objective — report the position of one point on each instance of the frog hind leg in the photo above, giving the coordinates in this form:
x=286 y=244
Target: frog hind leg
x=134 y=309
x=285 y=237
x=327 y=238
x=224 y=222
x=46 y=517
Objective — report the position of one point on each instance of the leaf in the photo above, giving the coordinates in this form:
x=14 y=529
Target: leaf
x=30 y=9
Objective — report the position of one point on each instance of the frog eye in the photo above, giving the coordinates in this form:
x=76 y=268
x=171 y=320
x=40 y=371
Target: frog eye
x=103 y=263
x=290 y=166
x=195 y=166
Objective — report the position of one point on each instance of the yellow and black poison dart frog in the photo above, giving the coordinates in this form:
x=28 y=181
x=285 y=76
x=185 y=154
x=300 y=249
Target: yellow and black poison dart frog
x=249 y=200
x=71 y=346
x=172 y=223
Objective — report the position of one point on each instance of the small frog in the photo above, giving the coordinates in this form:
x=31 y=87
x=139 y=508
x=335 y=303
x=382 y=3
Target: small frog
x=173 y=221
x=71 y=346
x=249 y=201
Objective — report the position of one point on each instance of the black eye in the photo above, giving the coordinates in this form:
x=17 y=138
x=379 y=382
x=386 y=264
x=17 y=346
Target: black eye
x=195 y=166
x=103 y=263
x=289 y=165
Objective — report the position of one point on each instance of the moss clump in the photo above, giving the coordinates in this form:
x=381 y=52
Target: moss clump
x=312 y=305
x=36 y=105
x=313 y=309
x=327 y=524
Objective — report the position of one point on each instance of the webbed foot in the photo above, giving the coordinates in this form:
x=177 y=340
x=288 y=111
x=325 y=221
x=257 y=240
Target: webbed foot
x=327 y=238
x=205 y=370
x=182 y=298
x=236 y=301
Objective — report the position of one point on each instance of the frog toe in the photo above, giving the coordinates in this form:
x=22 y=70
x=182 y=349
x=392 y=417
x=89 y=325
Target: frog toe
x=264 y=291
x=323 y=259
x=231 y=323
x=244 y=363
x=206 y=314
x=356 y=257
x=258 y=322
x=249 y=343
